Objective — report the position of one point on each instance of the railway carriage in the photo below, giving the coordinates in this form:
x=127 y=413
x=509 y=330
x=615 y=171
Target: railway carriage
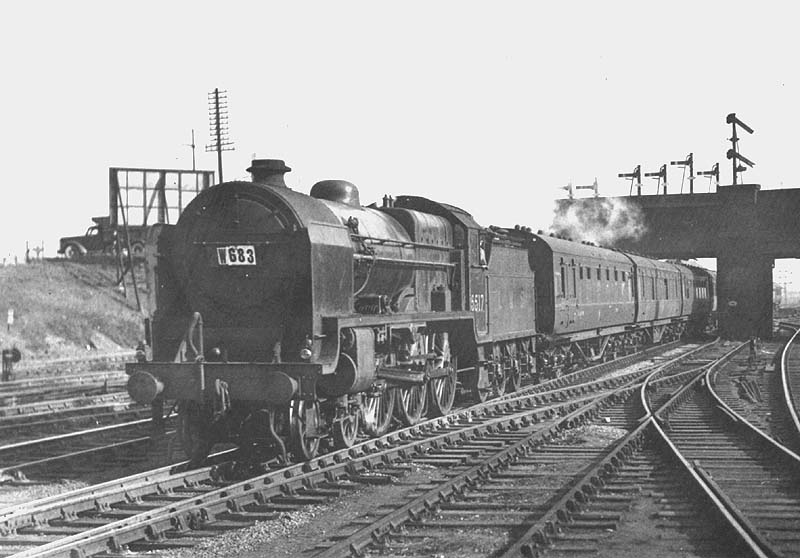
x=280 y=319
x=595 y=303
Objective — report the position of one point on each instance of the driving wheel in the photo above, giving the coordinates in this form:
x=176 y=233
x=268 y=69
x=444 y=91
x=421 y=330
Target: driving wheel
x=410 y=404
x=345 y=430
x=304 y=425
x=378 y=410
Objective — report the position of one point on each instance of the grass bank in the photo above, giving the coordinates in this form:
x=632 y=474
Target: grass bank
x=66 y=309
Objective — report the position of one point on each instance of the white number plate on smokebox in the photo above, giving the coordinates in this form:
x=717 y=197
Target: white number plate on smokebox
x=243 y=254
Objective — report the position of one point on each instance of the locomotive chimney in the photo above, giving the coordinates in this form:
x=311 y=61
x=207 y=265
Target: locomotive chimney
x=269 y=172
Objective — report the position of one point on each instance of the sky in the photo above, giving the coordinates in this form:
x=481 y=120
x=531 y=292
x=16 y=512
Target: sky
x=490 y=106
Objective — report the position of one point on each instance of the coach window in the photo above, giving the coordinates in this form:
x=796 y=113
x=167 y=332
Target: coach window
x=574 y=282
x=563 y=280
x=608 y=274
x=598 y=272
x=484 y=250
x=616 y=275
x=666 y=288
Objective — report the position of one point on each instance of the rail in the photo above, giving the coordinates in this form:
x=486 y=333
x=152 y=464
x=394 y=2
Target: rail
x=789 y=397
x=733 y=516
x=488 y=417
x=583 y=491
x=27 y=368
x=741 y=519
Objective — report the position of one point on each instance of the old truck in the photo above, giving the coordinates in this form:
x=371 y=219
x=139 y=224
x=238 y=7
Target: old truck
x=137 y=199
x=101 y=238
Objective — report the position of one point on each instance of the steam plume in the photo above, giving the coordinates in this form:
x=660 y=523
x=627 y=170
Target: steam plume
x=602 y=221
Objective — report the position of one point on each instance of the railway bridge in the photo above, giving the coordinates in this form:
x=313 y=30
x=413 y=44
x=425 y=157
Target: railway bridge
x=741 y=226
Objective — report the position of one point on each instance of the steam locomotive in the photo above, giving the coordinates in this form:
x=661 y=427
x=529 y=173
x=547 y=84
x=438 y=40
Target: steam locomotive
x=281 y=319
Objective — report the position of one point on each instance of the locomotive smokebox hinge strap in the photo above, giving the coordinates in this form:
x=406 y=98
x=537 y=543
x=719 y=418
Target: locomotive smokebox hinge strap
x=222 y=399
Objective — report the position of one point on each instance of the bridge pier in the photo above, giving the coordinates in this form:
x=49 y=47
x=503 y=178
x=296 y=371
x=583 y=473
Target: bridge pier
x=744 y=293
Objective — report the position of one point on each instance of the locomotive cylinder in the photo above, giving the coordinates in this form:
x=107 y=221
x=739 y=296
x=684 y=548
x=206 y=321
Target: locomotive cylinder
x=352 y=375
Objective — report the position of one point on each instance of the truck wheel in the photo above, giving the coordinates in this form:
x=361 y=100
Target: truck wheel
x=72 y=252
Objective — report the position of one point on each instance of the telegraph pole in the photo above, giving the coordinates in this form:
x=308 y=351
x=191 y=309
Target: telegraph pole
x=218 y=119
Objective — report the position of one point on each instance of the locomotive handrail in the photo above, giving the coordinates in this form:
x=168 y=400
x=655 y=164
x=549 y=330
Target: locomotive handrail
x=394 y=242
x=246 y=241
x=401 y=261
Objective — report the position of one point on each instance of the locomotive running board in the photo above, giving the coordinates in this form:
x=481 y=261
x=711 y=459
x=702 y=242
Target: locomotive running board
x=406 y=376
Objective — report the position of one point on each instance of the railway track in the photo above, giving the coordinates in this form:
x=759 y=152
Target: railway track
x=508 y=504
x=698 y=460
x=757 y=391
x=78 y=453
x=17 y=396
x=60 y=417
x=51 y=367
x=86 y=428
x=754 y=479
x=790 y=378
x=173 y=512
x=46 y=435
